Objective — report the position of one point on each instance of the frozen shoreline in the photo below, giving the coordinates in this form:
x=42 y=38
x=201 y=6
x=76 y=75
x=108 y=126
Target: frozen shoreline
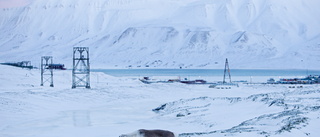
x=117 y=105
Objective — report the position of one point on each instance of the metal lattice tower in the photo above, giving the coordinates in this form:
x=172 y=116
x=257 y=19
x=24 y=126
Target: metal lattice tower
x=226 y=70
x=81 y=67
x=46 y=72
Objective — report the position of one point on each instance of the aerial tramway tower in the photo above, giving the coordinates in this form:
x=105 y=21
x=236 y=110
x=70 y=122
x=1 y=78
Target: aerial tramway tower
x=226 y=70
x=81 y=67
x=46 y=72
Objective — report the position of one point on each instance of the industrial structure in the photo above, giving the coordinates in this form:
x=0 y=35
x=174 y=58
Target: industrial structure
x=22 y=64
x=56 y=66
x=81 y=67
x=46 y=72
x=311 y=79
x=226 y=70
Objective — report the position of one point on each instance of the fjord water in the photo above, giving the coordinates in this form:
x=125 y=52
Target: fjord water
x=205 y=72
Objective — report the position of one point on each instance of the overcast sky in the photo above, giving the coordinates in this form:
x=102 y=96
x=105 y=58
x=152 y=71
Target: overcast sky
x=13 y=3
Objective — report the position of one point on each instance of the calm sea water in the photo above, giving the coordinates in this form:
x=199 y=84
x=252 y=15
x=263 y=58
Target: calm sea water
x=205 y=72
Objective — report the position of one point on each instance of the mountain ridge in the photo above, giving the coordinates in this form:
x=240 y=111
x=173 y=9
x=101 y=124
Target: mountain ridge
x=165 y=34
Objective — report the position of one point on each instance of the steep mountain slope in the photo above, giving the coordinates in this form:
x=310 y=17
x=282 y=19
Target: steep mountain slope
x=165 y=33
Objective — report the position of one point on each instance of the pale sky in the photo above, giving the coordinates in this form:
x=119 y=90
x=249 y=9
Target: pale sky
x=13 y=3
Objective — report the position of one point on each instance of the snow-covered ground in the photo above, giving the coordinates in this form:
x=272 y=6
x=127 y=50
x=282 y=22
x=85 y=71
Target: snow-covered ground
x=269 y=34
x=117 y=105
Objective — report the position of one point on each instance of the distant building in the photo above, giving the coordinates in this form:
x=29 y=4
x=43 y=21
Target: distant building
x=56 y=66
x=311 y=79
x=271 y=81
x=22 y=64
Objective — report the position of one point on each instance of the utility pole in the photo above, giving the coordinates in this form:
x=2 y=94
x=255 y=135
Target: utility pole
x=226 y=70
x=81 y=67
x=46 y=71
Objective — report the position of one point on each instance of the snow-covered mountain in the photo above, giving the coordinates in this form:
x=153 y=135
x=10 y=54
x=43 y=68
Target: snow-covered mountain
x=165 y=33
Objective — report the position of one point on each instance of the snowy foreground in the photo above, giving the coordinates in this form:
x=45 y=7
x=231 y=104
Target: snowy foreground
x=114 y=106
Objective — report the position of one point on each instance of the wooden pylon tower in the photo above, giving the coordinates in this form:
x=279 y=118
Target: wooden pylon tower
x=46 y=71
x=81 y=67
x=226 y=72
